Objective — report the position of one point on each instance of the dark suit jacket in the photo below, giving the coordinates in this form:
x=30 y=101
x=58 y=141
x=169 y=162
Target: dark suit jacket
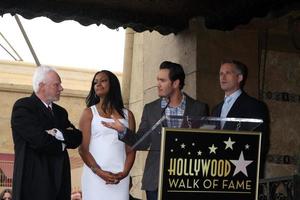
x=41 y=168
x=151 y=114
x=246 y=106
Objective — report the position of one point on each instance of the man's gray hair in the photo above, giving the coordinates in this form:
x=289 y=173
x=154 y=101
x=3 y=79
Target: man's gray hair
x=40 y=75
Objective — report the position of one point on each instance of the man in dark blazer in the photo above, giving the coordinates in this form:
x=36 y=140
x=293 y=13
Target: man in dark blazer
x=42 y=133
x=172 y=101
x=238 y=104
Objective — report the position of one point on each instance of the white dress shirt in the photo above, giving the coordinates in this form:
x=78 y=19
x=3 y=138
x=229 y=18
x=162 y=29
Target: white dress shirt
x=228 y=103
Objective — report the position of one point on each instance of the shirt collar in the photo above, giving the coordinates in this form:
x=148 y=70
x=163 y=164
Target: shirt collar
x=50 y=105
x=234 y=95
x=164 y=102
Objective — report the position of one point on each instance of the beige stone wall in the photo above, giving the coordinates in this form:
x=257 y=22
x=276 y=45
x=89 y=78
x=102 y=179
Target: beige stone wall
x=136 y=102
x=15 y=82
x=283 y=69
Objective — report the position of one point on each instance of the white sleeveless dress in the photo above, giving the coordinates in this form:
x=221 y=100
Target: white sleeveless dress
x=110 y=155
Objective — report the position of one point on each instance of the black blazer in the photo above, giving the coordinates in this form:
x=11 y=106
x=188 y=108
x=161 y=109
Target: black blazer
x=42 y=167
x=246 y=106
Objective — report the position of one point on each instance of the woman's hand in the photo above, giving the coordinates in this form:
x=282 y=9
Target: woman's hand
x=108 y=177
x=121 y=175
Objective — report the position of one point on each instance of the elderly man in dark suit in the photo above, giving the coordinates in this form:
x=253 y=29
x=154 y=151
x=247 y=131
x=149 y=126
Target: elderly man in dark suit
x=238 y=104
x=172 y=101
x=42 y=133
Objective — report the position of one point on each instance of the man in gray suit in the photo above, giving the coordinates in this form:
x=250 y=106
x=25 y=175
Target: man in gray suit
x=172 y=101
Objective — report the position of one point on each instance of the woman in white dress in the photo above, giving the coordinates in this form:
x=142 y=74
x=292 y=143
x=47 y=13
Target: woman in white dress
x=107 y=160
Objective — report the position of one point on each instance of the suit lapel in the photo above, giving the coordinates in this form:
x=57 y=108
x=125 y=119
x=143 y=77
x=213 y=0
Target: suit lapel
x=188 y=106
x=235 y=109
x=160 y=111
x=219 y=109
x=56 y=117
x=42 y=107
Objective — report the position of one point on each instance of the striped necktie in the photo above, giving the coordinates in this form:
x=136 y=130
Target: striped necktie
x=50 y=110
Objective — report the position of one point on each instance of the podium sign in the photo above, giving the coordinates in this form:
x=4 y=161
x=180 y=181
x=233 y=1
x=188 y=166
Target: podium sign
x=209 y=164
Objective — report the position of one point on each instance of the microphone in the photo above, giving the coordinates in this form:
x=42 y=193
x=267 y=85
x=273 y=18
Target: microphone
x=163 y=112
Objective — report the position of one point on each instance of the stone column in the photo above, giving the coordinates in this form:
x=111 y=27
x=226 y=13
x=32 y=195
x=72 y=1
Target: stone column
x=127 y=65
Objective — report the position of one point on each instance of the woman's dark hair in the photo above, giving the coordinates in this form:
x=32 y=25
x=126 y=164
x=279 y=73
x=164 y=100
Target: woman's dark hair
x=176 y=72
x=5 y=191
x=113 y=98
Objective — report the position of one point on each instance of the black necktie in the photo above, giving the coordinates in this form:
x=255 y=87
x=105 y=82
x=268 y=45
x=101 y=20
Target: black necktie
x=50 y=111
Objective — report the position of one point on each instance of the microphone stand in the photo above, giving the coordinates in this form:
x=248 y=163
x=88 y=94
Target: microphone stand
x=163 y=113
x=149 y=131
x=160 y=121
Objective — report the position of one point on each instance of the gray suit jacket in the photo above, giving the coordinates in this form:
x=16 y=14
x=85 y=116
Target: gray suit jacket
x=151 y=114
